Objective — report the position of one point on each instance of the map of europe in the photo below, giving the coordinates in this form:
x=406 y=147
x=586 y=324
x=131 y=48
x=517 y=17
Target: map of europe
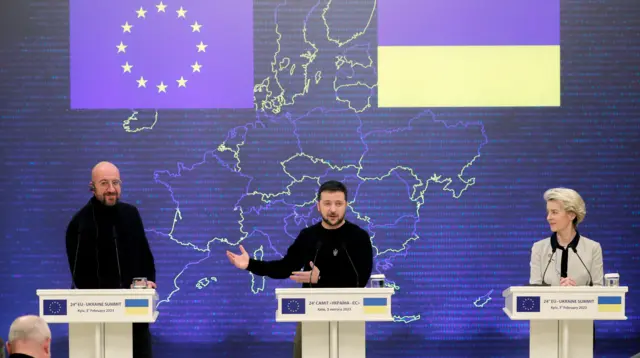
x=270 y=169
x=314 y=118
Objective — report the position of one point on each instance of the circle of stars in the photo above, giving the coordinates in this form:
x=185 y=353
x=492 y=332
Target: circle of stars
x=527 y=304
x=55 y=307
x=142 y=14
x=293 y=306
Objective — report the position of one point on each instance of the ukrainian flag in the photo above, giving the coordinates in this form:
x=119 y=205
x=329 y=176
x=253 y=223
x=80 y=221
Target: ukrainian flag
x=468 y=53
x=375 y=305
x=136 y=306
x=609 y=304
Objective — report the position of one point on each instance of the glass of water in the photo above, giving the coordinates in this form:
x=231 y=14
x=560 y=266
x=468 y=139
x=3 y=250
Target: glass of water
x=612 y=280
x=377 y=281
x=139 y=282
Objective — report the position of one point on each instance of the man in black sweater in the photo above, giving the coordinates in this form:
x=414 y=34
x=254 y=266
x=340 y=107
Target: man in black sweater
x=29 y=337
x=332 y=253
x=107 y=246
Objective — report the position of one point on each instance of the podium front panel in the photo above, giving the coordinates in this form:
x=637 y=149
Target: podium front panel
x=98 y=306
x=565 y=303
x=324 y=305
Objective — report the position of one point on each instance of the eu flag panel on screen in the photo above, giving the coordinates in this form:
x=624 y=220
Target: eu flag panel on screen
x=154 y=54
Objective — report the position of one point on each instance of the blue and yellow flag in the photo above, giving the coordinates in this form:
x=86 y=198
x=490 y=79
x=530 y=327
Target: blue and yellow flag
x=468 y=53
x=136 y=306
x=609 y=304
x=375 y=305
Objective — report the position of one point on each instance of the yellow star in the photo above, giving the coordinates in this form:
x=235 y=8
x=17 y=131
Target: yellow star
x=142 y=82
x=196 y=27
x=196 y=67
x=161 y=7
x=182 y=82
x=126 y=27
x=182 y=12
x=127 y=67
x=141 y=12
x=121 y=47
x=162 y=87
x=201 y=47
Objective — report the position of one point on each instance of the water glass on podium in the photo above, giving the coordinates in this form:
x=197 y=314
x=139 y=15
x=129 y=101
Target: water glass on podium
x=612 y=280
x=139 y=282
x=377 y=281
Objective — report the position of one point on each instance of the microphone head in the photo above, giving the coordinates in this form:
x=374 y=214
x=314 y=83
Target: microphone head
x=318 y=244
x=574 y=249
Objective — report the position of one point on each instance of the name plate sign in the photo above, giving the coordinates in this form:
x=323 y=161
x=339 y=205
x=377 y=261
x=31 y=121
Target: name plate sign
x=564 y=306
x=98 y=308
x=328 y=306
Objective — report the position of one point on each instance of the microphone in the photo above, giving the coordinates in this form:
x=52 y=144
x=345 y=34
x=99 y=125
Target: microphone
x=95 y=224
x=75 y=262
x=585 y=266
x=318 y=246
x=553 y=251
x=344 y=246
x=115 y=241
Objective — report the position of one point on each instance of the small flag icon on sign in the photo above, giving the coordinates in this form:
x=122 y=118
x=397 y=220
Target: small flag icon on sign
x=293 y=306
x=528 y=304
x=375 y=305
x=136 y=306
x=609 y=304
x=54 y=307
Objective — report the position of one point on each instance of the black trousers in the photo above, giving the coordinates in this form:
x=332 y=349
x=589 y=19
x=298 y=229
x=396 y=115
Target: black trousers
x=141 y=340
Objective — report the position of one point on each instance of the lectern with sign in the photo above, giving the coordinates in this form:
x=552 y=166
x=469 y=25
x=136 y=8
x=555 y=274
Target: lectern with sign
x=99 y=320
x=333 y=319
x=561 y=318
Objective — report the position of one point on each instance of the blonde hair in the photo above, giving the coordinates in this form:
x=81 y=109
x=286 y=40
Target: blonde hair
x=571 y=202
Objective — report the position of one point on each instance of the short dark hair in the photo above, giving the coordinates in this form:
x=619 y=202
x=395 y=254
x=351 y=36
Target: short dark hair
x=332 y=186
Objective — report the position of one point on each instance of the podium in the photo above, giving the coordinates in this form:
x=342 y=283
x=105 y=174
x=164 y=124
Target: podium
x=333 y=319
x=561 y=318
x=99 y=320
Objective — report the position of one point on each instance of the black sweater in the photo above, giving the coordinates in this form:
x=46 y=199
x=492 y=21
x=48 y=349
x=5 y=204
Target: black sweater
x=335 y=248
x=99 y=228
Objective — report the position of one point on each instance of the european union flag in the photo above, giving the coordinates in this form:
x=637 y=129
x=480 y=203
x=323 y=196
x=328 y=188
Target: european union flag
x=528 y=304
x=54 y=307
x=293 y=306
x=161 y=54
